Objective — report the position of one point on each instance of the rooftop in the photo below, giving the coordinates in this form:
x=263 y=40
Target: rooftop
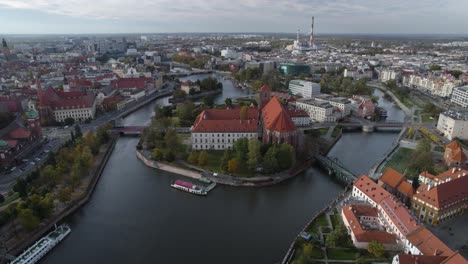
x=375 y=192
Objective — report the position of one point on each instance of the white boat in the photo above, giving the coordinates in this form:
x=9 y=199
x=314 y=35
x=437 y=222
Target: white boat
x=34 y=253
x=189 y=187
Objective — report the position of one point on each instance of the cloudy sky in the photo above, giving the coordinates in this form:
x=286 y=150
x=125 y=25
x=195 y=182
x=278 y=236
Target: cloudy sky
x=331 y=16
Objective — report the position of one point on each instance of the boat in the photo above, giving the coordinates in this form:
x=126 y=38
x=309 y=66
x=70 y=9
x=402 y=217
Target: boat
x=34 y=253
x=189 y=187
x=205 y=180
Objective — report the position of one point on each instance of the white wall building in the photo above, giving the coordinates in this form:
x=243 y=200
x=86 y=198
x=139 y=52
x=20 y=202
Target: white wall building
x=321 y=112
x=460 y=96
x=386 y=75
x=453 y=125
x=79 y=114
x=305 y=89
x=342 y=105
x=230 y=54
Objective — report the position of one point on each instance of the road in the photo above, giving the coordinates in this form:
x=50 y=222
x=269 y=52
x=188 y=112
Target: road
x=56 y=137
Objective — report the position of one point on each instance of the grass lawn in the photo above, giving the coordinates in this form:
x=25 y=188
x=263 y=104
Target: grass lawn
x=335 y=219
x=439 y=149
x=336 y=132
x=214 y=163
x=342 y=253
x=323 y=131
x=10 y=199
x=426 y=118
x=321 y=220
x=400 y=160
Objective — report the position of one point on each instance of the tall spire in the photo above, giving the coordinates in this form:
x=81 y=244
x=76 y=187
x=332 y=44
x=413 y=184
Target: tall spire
x=298 y=36
x=312 y=34
x=39 y=91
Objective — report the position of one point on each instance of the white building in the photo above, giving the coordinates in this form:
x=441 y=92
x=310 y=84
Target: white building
x=219 y=128
x=386 y=75
x=440 y=86
x=305 y=89
x=358 y=74
x=342 y=105
x=321 y=112
x=230 y=54
x=453 y=125
x=460 y=96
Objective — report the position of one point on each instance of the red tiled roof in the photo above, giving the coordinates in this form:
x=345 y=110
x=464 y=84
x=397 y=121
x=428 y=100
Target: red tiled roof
x=453 y=145
x=276 y=118
x=353 y=213
x=113 y=99
x=226 y=120
x=420 y=259
x=392 y=177
x=444 y=194
x=12 y=143
x=66 y=100
x=19 y=133
x=297 y=113
x=428 y=243
x=371 y=189
x=265 y=88
x=456 y=258
x=406 y=188
x=124 y=83
x=399 y=215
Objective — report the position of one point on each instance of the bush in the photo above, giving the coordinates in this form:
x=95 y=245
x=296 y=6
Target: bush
x=169 y=156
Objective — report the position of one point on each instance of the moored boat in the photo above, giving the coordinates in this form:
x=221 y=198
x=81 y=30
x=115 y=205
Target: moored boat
x=188 y=187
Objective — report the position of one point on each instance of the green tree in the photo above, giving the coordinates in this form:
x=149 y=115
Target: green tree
x=203 y=158
x=410 y=132
x=286 y=156
x=185 y=113
x=241 y=146
x=227 y=155
x=254 y=155
x=228 y=102
x=169 y=156
x=21 y=187
x=27 y=219
x=179 y=94
x=270 y=162
x=193 y=158
x=157 y=154
x=69 y=121
x=424 y=145
x=233 y=165
x=78 y=133
x=376 y=249
x=416 y=182
x=102 y=133
x=64 y=194
x=50 y=176
x=171 y=139
x=91 y=141
x=208 y=101
x=435 y=67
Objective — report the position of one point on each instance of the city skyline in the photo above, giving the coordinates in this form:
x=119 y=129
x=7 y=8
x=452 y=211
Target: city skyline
x=163 y=16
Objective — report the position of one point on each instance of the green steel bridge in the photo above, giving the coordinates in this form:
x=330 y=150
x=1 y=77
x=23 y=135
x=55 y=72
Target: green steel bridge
x=336 y=168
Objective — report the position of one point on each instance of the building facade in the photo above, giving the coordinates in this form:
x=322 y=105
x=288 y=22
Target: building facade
x=460 y=96
x=319 y=111
x=305 y=89
x=453 y=125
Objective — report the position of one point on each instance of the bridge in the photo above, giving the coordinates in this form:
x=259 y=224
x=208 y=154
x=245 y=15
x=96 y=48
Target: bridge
x=334 y=166
x=137 y=130
x=365 y=125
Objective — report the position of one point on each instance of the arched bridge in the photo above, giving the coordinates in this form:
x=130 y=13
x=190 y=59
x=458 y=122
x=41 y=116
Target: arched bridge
x=334 y=166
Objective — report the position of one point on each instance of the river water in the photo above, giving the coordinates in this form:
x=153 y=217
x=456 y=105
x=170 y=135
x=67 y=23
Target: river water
x=134 y=216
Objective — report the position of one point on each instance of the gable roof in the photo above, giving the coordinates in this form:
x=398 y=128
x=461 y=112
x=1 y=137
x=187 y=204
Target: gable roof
x=276 y=117
x=226 y=120
x=428 y=243
x=371 y=189
x=392 y=177
x=453 y=145
x=445 y=193
x=399 y=215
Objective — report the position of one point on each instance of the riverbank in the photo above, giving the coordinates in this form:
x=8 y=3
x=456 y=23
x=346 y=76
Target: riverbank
x=408 y=112
x=33 y=236
x=198 y=173
x=195 y=96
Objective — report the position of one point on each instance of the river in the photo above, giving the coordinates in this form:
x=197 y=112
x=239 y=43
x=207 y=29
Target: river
x=134 y=216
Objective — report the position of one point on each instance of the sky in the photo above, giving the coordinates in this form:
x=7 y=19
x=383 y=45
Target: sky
x=163 y=16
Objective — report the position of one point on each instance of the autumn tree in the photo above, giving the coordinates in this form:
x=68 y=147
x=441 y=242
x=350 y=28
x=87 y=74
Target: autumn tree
x=244 y=113
x=64 y=194
x=203 y=158
x=27 y=219
x=193 y=158
x=91 y=141
x=157 y=154
x=254 y=155
x=227 y=156
x=376 y=249
x=286 y=156
x=233 y=165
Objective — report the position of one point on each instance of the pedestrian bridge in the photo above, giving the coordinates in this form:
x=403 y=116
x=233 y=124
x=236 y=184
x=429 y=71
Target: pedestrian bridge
x=138 y=130
x=365 y=125
x=335 y=167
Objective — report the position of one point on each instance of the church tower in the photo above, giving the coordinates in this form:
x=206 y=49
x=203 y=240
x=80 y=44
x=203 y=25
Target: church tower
x=265 y=95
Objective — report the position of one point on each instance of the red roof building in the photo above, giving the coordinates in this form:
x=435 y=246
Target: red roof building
x=366 y=189
x=220 y=128
x=454 y=155
x=278 y=126
x=363 y=224
x=395 y=183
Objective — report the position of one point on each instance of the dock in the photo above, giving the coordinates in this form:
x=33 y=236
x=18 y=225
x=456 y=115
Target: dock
x=210 y=187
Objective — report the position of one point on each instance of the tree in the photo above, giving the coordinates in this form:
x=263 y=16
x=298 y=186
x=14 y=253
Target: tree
x=254 y=154
x=185 y=113
x=179 y=94
x=456 y=73
x=286 y=156
x=50 y=176
x=376 y=249
x=410 y=132
x=233 y=165
x=241 y=146
x=193 y=158
x=27 y=219
x=244 y=113
x=270 y=162
x=21 y=187
x=416 y=182
x=424 y=145
x=391 y=84
x=78 y=133
x=64 y=194
x=208 y=101
x=157 y=154
x=2 y=198
x=435 y=67
x=227 y=155
x=69 y=121
x=102 y=133
x=228 y=102
x=90 y=140
x=169 y=156
x=171 y=139
x=203 y=158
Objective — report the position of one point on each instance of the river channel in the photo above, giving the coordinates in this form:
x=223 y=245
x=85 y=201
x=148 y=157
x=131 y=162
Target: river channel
x=134 y=216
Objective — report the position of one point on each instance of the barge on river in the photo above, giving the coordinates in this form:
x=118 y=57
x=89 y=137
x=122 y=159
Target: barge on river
x=189 y=187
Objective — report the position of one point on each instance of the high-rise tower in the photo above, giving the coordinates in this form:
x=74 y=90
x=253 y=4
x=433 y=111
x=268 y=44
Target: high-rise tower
x=5 y=50
x=311 y=41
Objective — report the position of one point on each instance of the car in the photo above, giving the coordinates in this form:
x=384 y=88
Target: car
x=12 y=169
x=37 y=159
x=32 y=163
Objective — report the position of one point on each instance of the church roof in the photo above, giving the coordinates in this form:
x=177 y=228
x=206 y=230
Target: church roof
x=276 y=117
